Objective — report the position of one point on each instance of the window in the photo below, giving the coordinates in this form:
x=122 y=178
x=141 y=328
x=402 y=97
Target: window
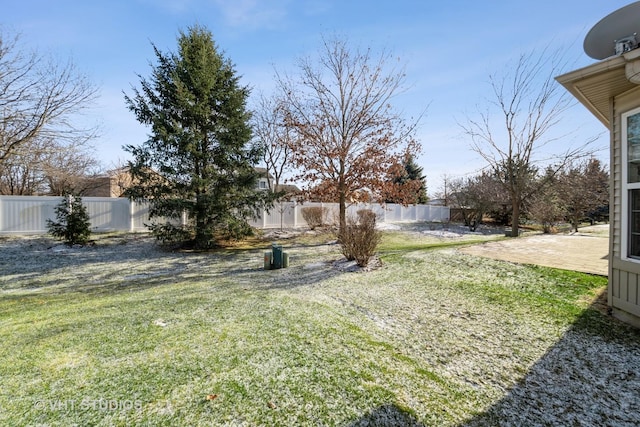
x=631 y=184
x=634 y=224
x=633 y=148
x=263 y=184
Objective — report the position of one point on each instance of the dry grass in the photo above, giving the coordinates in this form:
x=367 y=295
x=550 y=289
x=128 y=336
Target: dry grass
x=431 y=338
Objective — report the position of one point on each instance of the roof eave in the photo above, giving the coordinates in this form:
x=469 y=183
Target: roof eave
x=596 y=84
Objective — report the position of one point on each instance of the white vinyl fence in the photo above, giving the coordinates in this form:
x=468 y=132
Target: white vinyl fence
x=289 y=214
x=29 y=214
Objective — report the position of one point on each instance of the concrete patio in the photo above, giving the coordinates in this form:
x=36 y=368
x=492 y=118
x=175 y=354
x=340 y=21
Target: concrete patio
x=586 y=251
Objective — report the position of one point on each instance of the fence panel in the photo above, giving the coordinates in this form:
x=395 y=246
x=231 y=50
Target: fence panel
x=24 y=215
x=409 y=213
x=393 y=213
x=281 y=215
x=28 y=214
x=139 y=216
x=108 y=213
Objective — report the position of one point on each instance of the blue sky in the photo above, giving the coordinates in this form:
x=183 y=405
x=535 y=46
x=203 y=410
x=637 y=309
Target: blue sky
x=449 y=49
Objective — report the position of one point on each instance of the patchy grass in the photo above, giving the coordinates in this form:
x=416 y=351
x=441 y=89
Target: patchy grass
x=421 y=236
x=122 y=333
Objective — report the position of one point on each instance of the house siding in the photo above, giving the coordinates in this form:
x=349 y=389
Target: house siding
x=616 y=181
x=605 y=89
x=624 y=275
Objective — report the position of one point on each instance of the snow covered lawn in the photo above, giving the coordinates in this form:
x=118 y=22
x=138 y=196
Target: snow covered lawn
x=123 y=333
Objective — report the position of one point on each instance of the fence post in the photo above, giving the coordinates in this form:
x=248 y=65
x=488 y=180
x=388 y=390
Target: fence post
x=264 y=219
x=131 y=215
x=294 y=207
x=295 y=216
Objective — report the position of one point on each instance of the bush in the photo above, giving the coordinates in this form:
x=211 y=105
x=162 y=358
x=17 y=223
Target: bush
x=359 y=239
x=187 y=236
x=171 y=235
x=314 y=216
x=72 y=223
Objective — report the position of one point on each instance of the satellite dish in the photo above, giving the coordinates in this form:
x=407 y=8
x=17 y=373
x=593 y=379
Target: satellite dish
x=615 y=34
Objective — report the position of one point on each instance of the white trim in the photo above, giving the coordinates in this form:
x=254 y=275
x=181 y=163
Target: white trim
x=626 y=186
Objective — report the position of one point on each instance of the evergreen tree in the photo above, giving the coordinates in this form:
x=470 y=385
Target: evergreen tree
x=414 y=182
x=72 y=222
x=198 y=159
x=414 y=174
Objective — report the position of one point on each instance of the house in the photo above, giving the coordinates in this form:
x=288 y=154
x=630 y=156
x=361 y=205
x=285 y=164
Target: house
x=610 y=90
x=114 y=182
x=266 y=180
x=111 y=184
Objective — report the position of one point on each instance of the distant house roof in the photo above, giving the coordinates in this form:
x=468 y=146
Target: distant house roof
x=263 y=172
x=290 y=188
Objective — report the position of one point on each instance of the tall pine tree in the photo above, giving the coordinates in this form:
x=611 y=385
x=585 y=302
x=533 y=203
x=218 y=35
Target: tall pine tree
x=198 y=159
x=413 y=182
x=414 y=174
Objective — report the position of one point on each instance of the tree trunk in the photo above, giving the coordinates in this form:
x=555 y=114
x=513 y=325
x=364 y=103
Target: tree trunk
x=515 y=218
x=342 y=198
x=342 y=211
x=201 y=238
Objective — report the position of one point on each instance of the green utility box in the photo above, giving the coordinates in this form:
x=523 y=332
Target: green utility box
x=267 y=260
x=276 y=259
x=277 y=256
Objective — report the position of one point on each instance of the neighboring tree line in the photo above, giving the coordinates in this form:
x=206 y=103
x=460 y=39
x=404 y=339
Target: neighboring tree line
x=331 y=127
x=513 y=135
x=49 y=169
x=42 y=151
x=575 y=193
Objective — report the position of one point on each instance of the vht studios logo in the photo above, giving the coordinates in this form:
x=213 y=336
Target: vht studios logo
x=70 y=405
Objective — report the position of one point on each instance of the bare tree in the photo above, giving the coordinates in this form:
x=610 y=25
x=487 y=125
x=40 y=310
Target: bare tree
x=69 y=169
x=583 y=187
x=48 y=167
x=546 y=208
x=38 y=98
x=529 y=105
x=476 y=197
x=348 y=138
x=19 y=175
x=444 y=192
x=274 y=137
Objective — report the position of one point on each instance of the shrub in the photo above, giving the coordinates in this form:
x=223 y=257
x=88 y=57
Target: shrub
x=186 y=236
x=366 y=216
x=359 y=238
x=72 y=222
x=171 y=235
x=314 y=216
